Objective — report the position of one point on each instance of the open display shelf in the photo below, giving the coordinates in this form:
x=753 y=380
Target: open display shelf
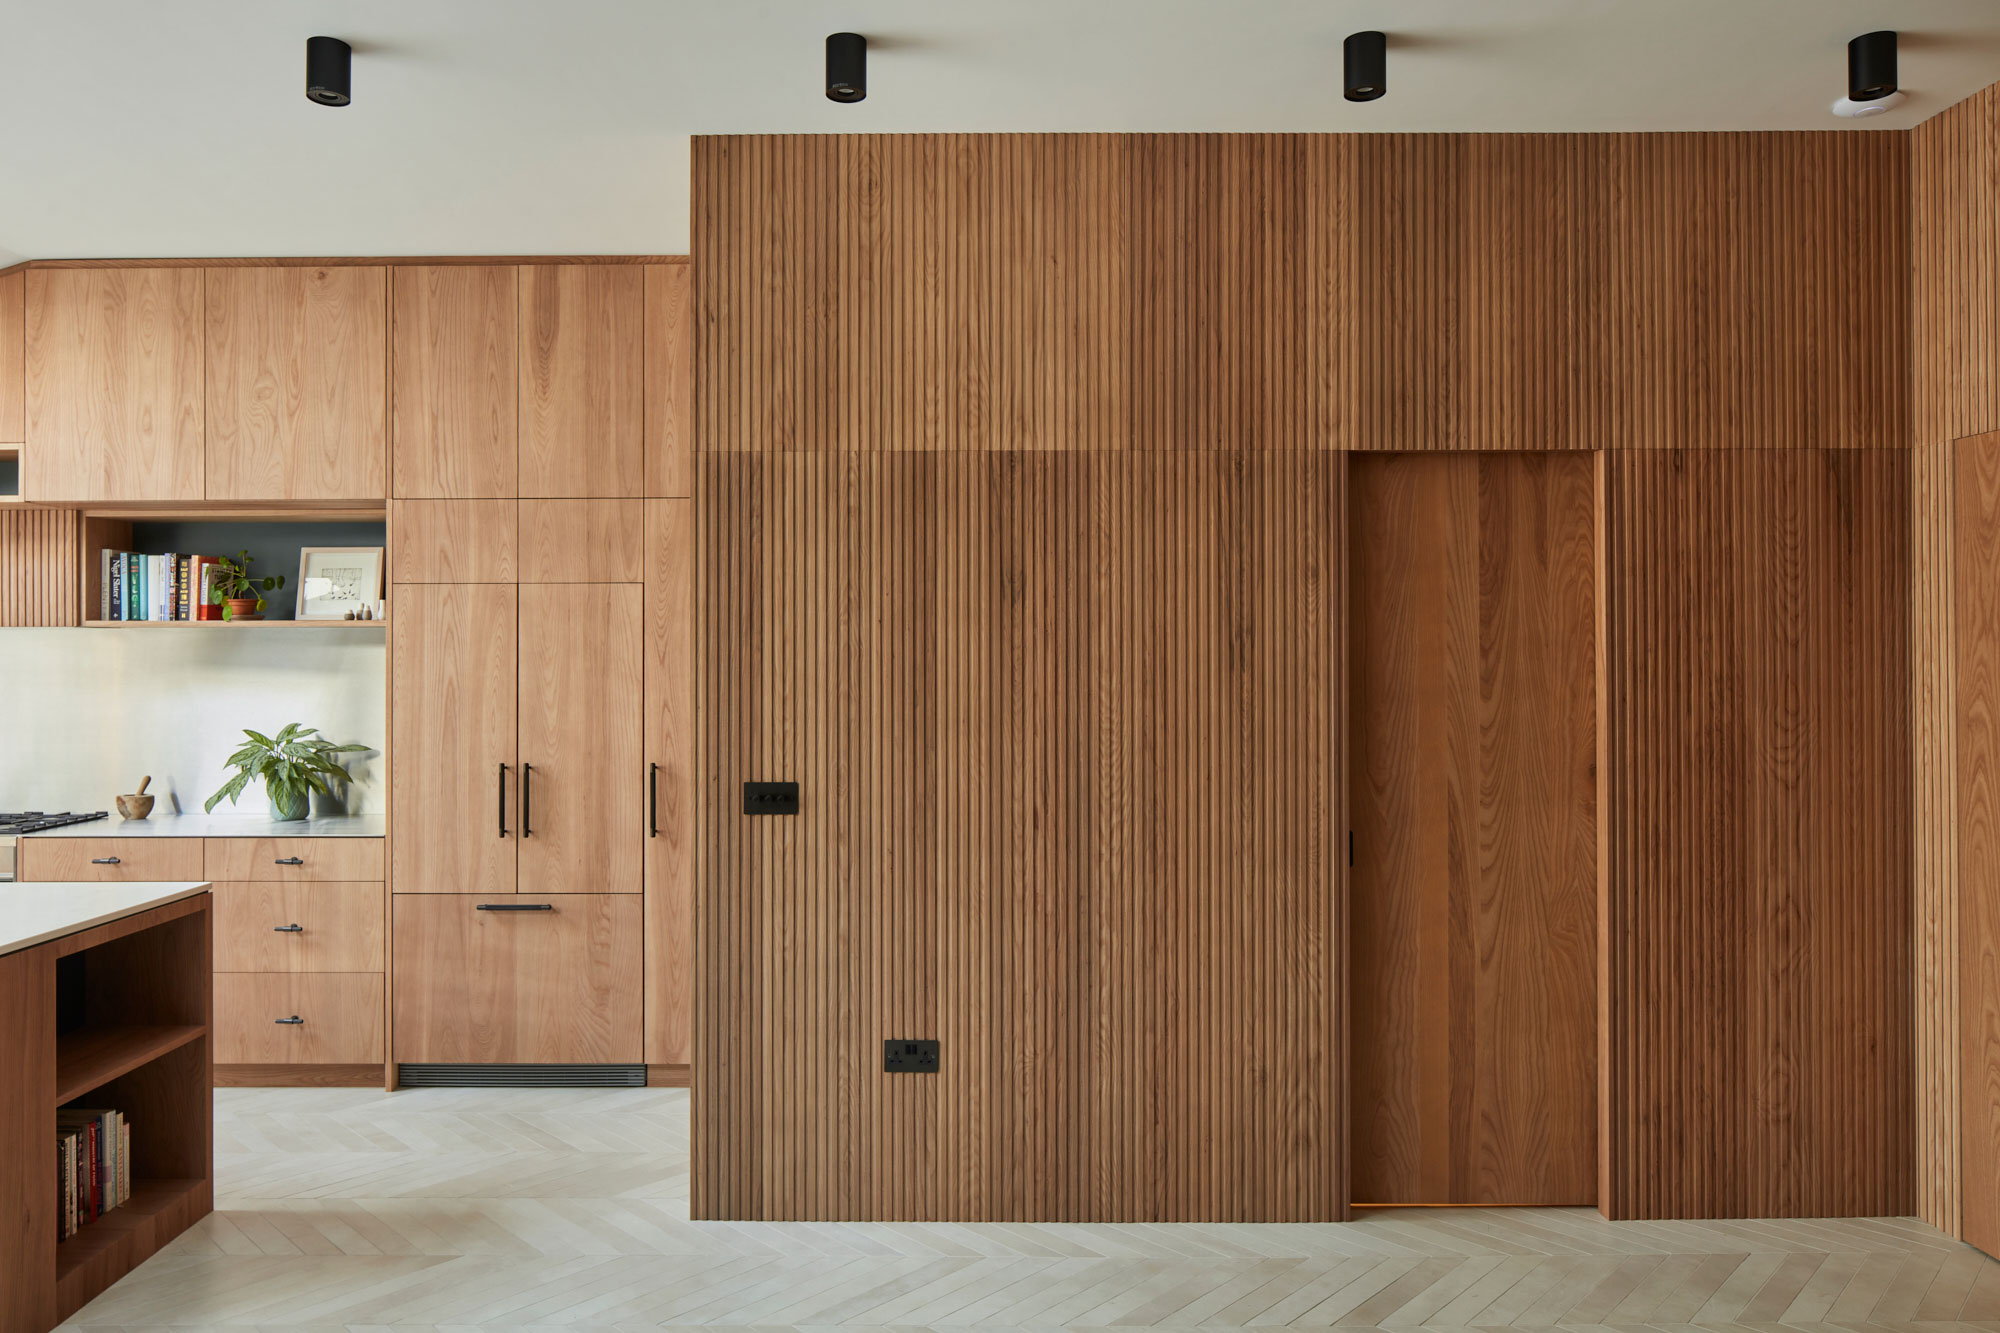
x=237 y=624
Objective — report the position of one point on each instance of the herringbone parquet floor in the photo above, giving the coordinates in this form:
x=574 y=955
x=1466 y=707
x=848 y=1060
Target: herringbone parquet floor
x=349 y=1209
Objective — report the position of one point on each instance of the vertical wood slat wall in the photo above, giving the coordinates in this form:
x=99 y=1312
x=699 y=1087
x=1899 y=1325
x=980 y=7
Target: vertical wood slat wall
x=1066 y=728
x=1954 y=335
x=1214 y=296
x=39 y=551
x=1757 y=857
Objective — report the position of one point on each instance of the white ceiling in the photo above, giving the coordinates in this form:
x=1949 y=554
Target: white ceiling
x=180 y=127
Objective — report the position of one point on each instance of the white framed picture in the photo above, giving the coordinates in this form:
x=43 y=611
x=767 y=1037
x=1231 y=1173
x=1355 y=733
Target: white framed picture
x=336 y=582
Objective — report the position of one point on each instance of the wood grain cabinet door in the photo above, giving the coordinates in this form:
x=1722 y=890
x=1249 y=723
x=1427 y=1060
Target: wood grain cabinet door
x=298 y=383
x=452 y=731
x=543 y=980
x=581 y=748
x=454 y=371
x=114 y=384
x=583 y=359
x=670 y=780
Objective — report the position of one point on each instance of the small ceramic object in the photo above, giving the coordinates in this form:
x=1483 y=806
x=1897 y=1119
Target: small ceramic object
x=138 y=805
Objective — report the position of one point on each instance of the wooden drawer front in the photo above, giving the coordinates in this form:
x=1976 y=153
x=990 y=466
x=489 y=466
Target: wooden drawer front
x=62 y=860
x=318 y=859
x=342 y=1013
x=560 y=986
x=340 y=927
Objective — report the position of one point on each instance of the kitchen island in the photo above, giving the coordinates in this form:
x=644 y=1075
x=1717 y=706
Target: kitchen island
x=105 y=993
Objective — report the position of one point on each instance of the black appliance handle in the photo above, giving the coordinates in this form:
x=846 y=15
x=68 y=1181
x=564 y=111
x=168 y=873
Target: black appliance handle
x=503 y=800
x=652 y=800
x=527 y=793
x=514 y=907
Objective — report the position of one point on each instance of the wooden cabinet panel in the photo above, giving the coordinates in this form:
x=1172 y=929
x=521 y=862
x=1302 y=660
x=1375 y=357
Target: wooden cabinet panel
x=452 y=728
x=121 y=860
x=13 y=358
x=1975 y=467
x=669 y=381
x=583 y=541
x=273 y=859
x=670 y=761
x=297 y=383
x=581 y=794
x=508 y=987
x=342 y=1013
x=114 y=379
x=583 y=330
x=340 y=927
x=454 y=367
x=452 y=541
x=1473 y=909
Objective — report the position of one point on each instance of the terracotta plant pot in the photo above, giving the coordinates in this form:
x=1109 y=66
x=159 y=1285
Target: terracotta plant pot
x=243 y=608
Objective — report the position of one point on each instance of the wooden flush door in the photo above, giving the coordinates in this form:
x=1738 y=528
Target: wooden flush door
x=583 y=358
x=582 y=766
x=670 y=780
x=452 y=727
x=297 y=384
x=114 y=384
x=1473 y=805
x=455 y=376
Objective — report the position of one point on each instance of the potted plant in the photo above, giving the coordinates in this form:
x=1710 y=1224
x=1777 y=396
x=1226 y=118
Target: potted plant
x=293 y=764
x=240 y=595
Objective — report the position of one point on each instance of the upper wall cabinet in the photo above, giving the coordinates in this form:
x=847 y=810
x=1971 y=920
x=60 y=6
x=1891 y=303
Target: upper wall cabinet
x=13 y=355
x=583 y=361
x=114 y=378
x=455 y=366
x=669 y=382
x=297 y=383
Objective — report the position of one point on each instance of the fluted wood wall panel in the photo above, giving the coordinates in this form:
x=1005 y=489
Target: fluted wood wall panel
x=1757 y=863
x=1067 y=730
x=1274 y=292
x=38 y=567
x=1955 y=340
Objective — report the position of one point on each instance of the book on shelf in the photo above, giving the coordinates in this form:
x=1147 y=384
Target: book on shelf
x=93 y=1166
x=205 y=607
x=173 y=586
x=156 y=587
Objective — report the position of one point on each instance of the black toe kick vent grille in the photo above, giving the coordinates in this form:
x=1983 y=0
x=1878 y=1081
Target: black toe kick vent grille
x=521 y=1076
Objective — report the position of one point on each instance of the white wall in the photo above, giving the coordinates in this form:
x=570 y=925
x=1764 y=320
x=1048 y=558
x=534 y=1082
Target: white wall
x=85 y=713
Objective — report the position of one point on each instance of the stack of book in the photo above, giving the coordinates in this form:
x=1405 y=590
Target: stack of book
x=93 y=1167
x=155 y=587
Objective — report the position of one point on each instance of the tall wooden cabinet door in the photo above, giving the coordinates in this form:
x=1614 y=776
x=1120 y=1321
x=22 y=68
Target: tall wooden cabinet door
x=669 y=380
x=520 y=980
x=583 y=360
x=670 y=761
x=453 y=784
x=114 y=380
x=454 y=367
x=582 y=765
x=13 y=359
x=298 y=383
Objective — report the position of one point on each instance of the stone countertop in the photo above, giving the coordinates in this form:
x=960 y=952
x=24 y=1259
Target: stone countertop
x=32 y=914
x=222 y=826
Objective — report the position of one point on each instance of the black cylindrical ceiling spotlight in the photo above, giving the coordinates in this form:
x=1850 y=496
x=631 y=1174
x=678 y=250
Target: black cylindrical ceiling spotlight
x=1871 y=66
x=1367 y=66
x=329 y=63
x=846 y=67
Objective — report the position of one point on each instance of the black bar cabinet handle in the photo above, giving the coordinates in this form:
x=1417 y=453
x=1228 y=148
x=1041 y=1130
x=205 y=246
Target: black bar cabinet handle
x=527 y=790
x=289 y=1021
x=104 y=860
x=652 y=800
x=503 y=800
x=514 y=907
x=292 y=929
x=289 y=861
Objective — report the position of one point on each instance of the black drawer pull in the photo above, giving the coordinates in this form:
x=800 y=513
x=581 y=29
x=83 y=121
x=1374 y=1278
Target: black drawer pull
x=515 y=907
x=289 y=861
x=292 y=929
x=104 y=860
x=289 y=1021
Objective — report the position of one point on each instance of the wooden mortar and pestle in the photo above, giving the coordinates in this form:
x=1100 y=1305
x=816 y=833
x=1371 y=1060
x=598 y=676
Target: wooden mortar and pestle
x=138 y=805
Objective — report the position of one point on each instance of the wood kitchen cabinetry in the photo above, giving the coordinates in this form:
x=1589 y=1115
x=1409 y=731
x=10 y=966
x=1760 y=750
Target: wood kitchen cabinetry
x=115 y=385
x=670 y=780
x=583 y=359
x=13 y=360
x=297 y=383
x=518 y=980
x=456 y=367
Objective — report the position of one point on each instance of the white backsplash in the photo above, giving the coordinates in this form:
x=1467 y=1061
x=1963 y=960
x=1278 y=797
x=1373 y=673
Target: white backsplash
x=85 y=713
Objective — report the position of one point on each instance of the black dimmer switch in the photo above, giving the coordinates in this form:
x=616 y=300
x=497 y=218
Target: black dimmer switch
x=770 y=798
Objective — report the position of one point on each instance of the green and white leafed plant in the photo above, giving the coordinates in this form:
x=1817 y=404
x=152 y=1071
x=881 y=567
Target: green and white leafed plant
x=293 y=764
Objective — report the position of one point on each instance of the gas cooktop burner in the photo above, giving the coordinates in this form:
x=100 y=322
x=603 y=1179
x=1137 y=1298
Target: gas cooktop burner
x=33 y=821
